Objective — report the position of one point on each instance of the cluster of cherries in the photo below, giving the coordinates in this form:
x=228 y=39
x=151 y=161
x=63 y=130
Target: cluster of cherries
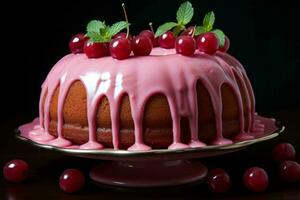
x=255 y=178
x=123 y=44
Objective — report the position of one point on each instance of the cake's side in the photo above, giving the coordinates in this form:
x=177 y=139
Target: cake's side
x=109 y=103
x=157 y=121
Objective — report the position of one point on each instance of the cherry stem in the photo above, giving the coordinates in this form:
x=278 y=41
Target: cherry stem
x=151 y=27
x=126 y=18
x=194 y=30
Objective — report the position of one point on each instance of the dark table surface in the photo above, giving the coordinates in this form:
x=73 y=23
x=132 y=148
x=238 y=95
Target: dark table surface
x=46 y=167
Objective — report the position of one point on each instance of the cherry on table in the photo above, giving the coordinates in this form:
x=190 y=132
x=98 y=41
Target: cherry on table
x=71 y=180
x=256 y=179
x=167 y=40
x=284 y=151
x=226 y=45
x=95 y=49
x=77 y=42
x=185 y=45
x=218 y=180
x=208 y=43
x=141 y=45
x=120 y=48
x=150 y=35
x=289 y=171
x=15 y=171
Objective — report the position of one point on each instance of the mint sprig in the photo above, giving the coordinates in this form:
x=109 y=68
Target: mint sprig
x=184 y=15
x=207 y=26
x=117 y=27
x=209 y=20
x=220 y=35
x=98 y=31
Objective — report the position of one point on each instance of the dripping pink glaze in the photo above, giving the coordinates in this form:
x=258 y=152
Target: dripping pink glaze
x=163 y=72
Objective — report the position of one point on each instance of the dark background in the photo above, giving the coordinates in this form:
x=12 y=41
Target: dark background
x=264 y=37
x=263 y=34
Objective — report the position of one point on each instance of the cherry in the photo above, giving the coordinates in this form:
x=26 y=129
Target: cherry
x=289 y=171
x=256 y=179
x=77 y=42
x=226 y=45
x=208 y=43
x=150 y=35
x=15 y=171
x=95 y=49
x=218 y=180
x=189 y=31
x=120 y=48
x=71 y=180
x=167 y=40
x=122 y=35
x=141 y=45
x=185 y=45
x=283 y=152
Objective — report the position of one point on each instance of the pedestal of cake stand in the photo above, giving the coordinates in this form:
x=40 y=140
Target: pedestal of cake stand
x=148 y=173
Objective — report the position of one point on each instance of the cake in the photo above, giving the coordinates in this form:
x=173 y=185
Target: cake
x=165 y=100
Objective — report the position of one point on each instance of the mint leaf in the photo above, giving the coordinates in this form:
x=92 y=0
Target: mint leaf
x=95 y=26
x=164 y=28
x=220 y=35
x=199 y=30
x=178 y=29
x=117 y=27
x=96 y=37
x=209 y=20
x=185 y=13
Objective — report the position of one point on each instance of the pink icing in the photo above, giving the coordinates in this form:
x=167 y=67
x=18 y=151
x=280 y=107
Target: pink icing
x=163 y=72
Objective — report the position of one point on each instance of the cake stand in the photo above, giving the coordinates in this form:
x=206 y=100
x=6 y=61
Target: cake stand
x=155 y=167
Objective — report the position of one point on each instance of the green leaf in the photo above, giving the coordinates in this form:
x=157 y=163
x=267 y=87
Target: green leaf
x=178 y=29
x=117 y=27
x=185 y=13
x=95 y=37
x=199 y=30
x=95 y=26
x=164 y=28
x=220 y=35
x=209 y=20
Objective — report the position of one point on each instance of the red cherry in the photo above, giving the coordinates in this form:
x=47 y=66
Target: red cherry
x=218 y=180
x=289 y=171
x=95 y=49
x=150 y=35
x=226 y=45
x=120 y=48
x=77 y=42
x=15 y=171
x=71 y=180
x=141 y=46
x=208 y=43
x=185 y=45
x=256 y=179
x=189 y=31
x=283 y=152
x=167 y=40
x=122 y=35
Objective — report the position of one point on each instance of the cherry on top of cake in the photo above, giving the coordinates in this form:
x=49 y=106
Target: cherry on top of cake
x=103 y=40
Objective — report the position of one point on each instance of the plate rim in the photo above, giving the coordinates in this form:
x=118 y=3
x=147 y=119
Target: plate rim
x=126 y=153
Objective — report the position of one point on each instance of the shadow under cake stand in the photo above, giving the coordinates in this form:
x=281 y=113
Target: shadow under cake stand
x=162 y=167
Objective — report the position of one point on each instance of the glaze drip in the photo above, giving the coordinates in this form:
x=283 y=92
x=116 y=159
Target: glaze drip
x=163 y=72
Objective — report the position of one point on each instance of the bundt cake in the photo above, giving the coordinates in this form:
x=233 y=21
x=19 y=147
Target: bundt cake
x=164 y=100
x=137 y=97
